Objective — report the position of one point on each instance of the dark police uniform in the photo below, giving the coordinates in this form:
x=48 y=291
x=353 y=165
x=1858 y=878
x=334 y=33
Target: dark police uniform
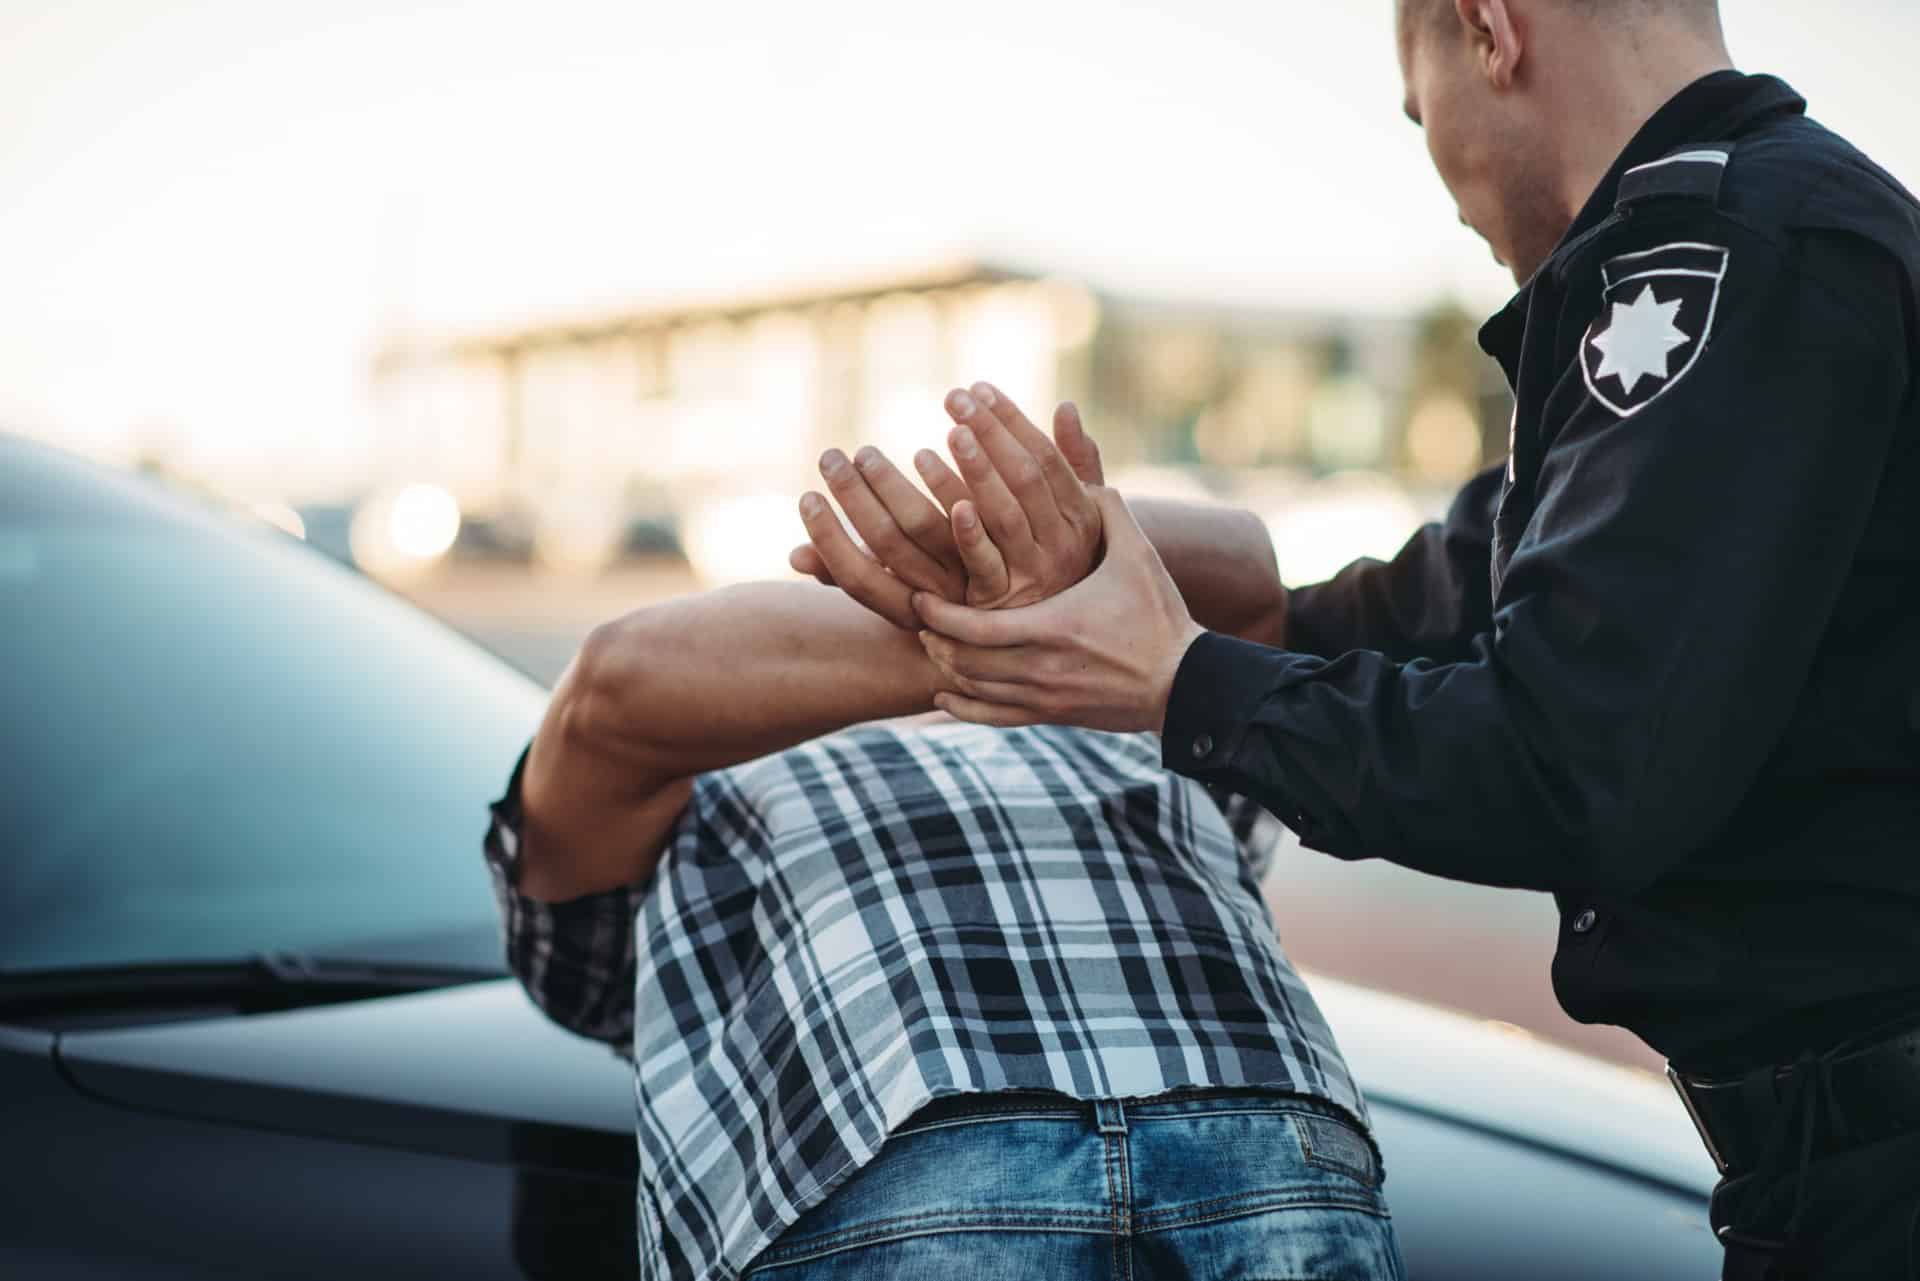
x=1665 y=661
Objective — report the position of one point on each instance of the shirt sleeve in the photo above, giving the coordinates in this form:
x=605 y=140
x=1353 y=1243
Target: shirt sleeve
x=1429 y=601
x=575 y=959
x=1656 y=623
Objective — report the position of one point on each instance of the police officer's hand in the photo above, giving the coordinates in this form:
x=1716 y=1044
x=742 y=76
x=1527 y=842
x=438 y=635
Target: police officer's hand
x=1101 y=654
x=1019 y=523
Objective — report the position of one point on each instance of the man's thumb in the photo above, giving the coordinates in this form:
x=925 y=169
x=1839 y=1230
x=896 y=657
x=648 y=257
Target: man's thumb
x=1078 y=448
x=1116 y=519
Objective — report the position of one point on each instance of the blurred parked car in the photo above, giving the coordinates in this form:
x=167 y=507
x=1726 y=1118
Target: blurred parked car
x=253 y=1018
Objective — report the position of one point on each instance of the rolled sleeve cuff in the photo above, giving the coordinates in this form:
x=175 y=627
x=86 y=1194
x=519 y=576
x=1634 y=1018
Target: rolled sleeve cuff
x=575 y=958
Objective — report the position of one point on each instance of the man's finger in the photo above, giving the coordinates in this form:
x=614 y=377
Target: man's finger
x=1001 y=667
x=806 y=560
x=1079 y=449
x=1025 y=477
x=854 y=572
x=963 y=708
x=928 y=526
x=1061 y=479
x=968 y=625
x=882 y=534
x=1002 y=513
x=942 y=481
x=1118 y=521
x=987 y=577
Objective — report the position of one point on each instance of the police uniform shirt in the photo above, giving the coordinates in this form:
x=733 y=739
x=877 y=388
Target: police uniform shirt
x=1661 y=661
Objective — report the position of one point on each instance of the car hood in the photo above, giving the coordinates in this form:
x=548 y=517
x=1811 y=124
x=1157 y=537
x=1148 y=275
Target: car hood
x=475 y=1071
x=1504 y=1079
x=479 y=1070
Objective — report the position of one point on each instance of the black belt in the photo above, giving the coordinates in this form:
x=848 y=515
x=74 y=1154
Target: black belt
x=1873 y=1089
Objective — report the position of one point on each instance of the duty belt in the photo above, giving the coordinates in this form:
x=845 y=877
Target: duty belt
x=1872 y=1089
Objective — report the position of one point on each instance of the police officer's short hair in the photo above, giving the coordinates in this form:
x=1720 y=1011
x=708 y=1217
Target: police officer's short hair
x=1702 y=12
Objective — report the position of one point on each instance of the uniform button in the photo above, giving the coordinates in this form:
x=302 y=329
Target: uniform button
x=1584 y=922
x=1203 y=746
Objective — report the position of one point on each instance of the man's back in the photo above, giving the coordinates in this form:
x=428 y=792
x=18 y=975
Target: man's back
x=841 y=932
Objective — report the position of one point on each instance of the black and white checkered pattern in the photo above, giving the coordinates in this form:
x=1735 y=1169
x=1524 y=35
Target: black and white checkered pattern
x=841 y=932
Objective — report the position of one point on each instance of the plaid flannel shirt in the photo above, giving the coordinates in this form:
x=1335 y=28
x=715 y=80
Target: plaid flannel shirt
x=839 y=933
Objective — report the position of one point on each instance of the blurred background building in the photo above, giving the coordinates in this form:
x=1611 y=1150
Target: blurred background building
x=692 y=430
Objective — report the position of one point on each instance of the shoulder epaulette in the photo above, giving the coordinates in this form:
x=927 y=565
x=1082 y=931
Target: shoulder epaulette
x=1692 y=173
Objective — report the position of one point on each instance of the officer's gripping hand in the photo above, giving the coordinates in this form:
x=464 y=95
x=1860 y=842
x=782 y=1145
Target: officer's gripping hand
x=1101 y=654
x=1021 y=525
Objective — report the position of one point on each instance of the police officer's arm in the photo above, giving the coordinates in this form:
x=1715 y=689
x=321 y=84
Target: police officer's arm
x=692 y=684
x=1654 y=628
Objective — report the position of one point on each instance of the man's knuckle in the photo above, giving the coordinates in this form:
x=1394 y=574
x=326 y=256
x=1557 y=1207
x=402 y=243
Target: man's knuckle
x=1024 y=473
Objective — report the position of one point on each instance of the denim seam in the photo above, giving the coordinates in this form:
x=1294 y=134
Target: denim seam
x=820 y=1249
x=1252 y=1203
x=1243 y=1212
x=1078 y=1220
x=994 y=1114
x=1283 y=1109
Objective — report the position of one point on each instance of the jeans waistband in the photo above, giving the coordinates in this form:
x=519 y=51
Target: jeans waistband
x=1111 y=1114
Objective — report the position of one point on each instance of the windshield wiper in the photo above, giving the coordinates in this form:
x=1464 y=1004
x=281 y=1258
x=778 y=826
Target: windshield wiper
x=266 y=980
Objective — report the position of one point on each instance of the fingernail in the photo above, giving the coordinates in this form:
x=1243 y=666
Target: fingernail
x=964 y=444
x=812 y=504
x=963 y=404
x=965 y=519
x=867 y=458
x=926 y=460
x=985 y=394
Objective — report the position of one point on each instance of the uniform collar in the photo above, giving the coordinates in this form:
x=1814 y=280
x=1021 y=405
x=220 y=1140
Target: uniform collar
x=1717 y=107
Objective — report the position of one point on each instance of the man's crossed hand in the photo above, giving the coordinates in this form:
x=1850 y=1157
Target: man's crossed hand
x=1039 y=640
x=1015 y=526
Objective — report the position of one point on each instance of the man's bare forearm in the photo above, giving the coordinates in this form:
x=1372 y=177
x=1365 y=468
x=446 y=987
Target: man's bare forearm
x=693 y=684
x=1221 y=558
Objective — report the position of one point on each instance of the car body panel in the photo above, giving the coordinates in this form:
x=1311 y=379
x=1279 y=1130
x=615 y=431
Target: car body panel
x=1507 y=1081
x=483 y=1052
x=459 y=1132
x=474 y=1071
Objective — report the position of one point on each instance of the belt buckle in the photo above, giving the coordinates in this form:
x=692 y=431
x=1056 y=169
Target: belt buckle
x=1699 y=1126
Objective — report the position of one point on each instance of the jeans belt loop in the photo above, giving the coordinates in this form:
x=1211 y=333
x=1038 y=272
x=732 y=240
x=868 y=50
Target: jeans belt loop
x=1110 y=1116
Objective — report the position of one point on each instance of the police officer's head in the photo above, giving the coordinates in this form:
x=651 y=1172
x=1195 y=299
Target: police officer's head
x=1526 y=102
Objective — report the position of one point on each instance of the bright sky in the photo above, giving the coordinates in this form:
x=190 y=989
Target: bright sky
x=208 y=212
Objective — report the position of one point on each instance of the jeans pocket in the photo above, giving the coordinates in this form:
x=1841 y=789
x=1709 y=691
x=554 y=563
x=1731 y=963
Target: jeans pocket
x=1333 y=1144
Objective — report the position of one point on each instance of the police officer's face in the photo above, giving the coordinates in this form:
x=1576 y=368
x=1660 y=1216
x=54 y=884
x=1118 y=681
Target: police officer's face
x=1480 y=139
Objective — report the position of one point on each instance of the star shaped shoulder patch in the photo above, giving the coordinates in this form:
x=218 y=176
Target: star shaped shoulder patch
x=1655 y=319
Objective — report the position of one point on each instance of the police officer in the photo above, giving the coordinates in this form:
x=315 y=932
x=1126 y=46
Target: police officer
x=1664 y=661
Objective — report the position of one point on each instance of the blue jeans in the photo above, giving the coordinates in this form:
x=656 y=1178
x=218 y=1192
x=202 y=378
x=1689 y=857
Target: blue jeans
x=1207 y=1185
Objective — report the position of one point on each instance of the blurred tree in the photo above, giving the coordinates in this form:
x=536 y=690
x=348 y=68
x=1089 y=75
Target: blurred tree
x=1449 y=367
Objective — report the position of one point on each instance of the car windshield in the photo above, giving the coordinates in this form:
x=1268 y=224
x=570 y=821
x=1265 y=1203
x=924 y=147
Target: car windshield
x=219 y=743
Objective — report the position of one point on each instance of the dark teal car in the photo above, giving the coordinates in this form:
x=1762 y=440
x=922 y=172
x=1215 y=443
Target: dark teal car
x=254 y=1019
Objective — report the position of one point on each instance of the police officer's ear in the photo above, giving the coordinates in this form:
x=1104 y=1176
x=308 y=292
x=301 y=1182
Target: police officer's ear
x=1490 y=25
